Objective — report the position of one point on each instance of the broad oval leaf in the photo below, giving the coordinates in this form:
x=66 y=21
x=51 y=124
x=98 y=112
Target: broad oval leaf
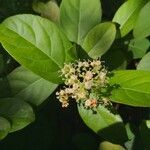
x=17 y=111
x=133 y=88
x=29 y=87
x=144 y=64
x=106 y=124
x=142 y=26
x=4 y=127
x=127 y=14
x=37 y=44
x=139 y=47
x=99 y=39
x=77 y=17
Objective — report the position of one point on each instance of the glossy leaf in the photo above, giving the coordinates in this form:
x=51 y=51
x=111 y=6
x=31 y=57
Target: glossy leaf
x=37 y=44
x=104 y=123
x=99 y=39
x=18 y=112
x=4 y=127
x=127 y=14
x=29 y=87
x=133 y=87
x=144 y=63
x=77 y=17
x=139 y=47
x=142 y=26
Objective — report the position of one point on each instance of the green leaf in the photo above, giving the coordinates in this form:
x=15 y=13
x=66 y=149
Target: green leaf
x=104 y=123
x=139 y=47
x=49 y=10
x=37 y=44
x=134 y=87
x=110 y=146
x=144 y=63
x=29 y=87
x=99 y=39
x=77 y=17
x=127 y=14
x=4 y=127
x=17 y=111
x=142 y=26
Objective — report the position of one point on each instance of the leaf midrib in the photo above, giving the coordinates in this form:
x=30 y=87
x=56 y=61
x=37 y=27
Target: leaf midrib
x=32 y=43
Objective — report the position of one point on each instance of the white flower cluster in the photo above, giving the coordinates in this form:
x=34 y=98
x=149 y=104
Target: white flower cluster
x=85 y=82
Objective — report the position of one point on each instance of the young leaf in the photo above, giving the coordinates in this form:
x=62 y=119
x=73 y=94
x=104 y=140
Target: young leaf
x=17 y=111
x=4 y=127
x=108 y=125
x=142 y=26
x=77 y=17
x=37 y=44
x=99 y=39
x=139 y=47
x=29 y=87
x=144 y=63
x=49 y=10
x=133 y=88
x=127 y=14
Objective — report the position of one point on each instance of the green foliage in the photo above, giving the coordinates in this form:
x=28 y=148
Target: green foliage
x=71 y=32
x=99 y=39
x=127 y=14
x=17 y=111
x=142 y=26
x=133 y=88
x=104 y=123
x=76 y=20
x=29 y=87
x=5 y=127
x=144 y=63
x=107 y=145
x=37 y=53
x=139 y=47
x=48 y=10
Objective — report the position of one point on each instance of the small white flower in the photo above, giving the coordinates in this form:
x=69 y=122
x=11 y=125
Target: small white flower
x=88 y=75
x=102 y=76
x=88 y=103
x=81 y=79
x=96 y=63
x=69 y=90
x=75 y=86
x=88 y=85
x=81 y=95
